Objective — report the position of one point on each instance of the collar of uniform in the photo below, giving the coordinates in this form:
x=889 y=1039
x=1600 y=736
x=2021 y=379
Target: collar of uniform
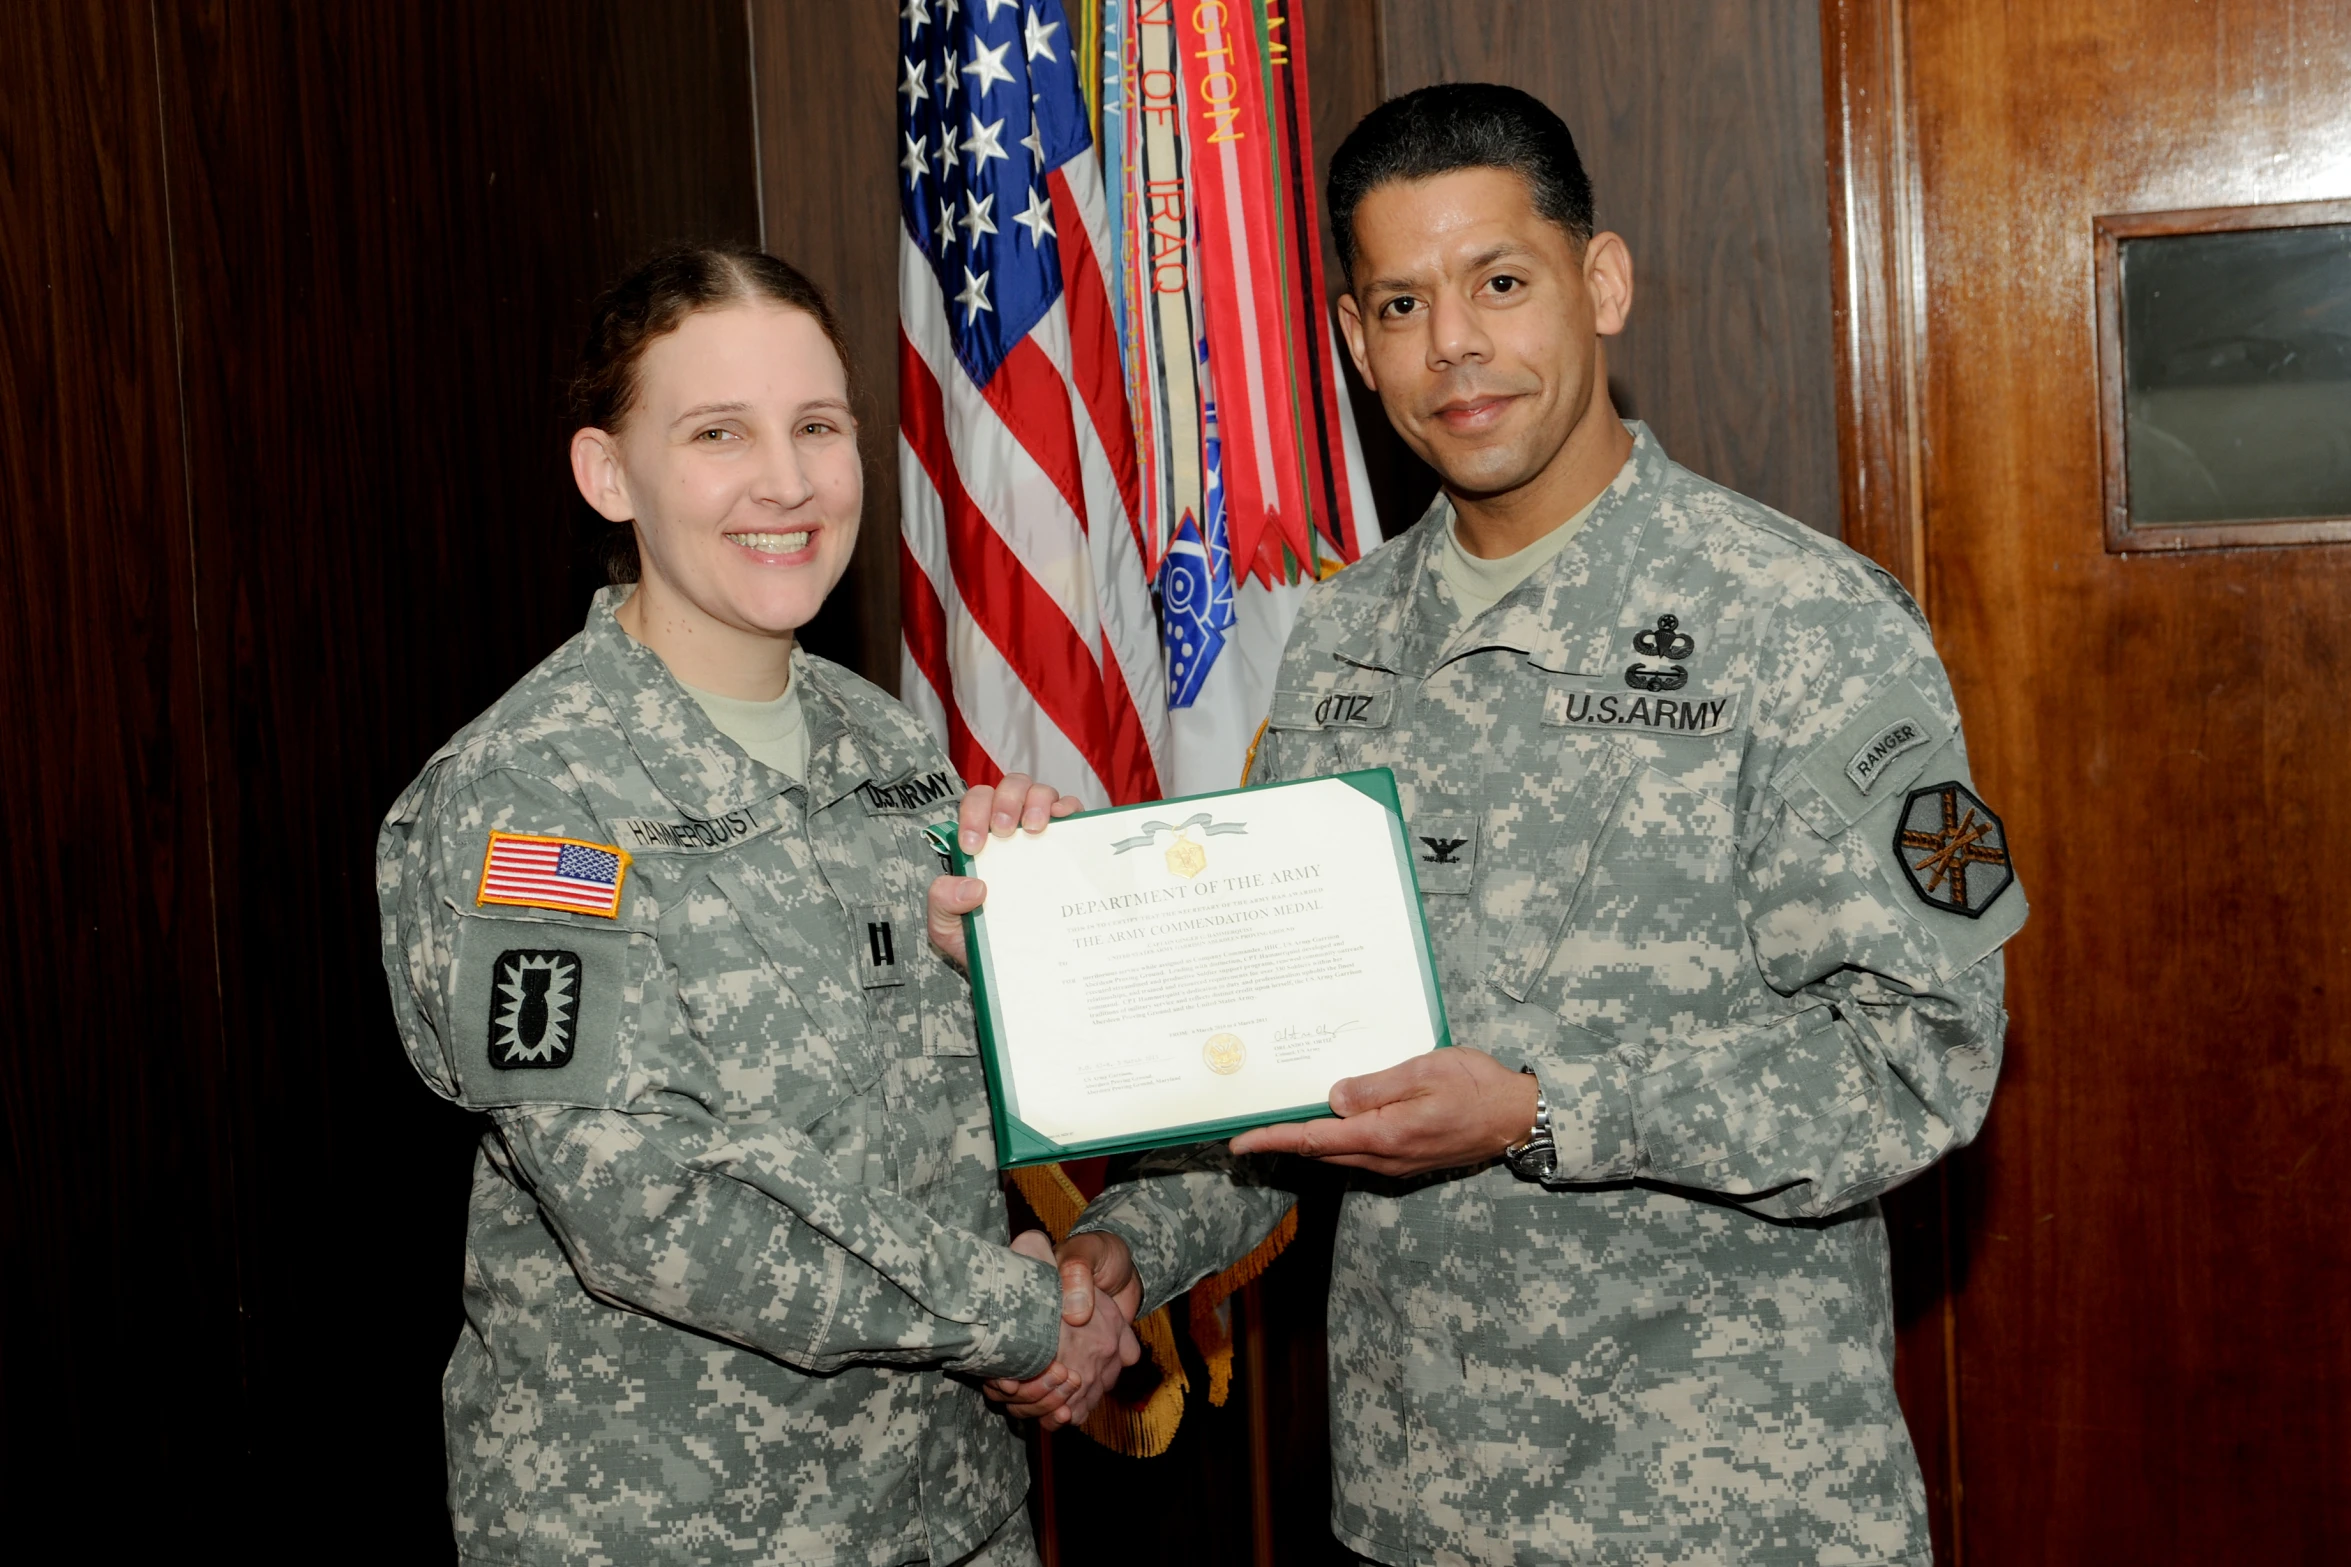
x=1563 y=618
x=842 y=753
x=702 y=772
x=1385 y=639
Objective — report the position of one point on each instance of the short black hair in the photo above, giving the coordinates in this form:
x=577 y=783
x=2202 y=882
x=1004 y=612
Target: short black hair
x=1460 y=125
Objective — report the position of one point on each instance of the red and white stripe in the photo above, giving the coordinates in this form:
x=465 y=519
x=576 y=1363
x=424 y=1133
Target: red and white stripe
x=520 y=869
x=1030 y=641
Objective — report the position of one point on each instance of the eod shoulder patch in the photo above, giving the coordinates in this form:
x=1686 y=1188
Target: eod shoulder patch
x=534 y=1009
x=543 y=1010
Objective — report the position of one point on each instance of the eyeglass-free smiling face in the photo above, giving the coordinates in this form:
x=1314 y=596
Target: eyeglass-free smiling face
x=737 y=463
x=1478 y=321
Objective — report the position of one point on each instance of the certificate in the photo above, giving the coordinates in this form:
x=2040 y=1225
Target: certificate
x=1181 y=971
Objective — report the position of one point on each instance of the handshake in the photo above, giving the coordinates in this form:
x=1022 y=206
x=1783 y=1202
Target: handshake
x=1099 y=1298
x=1441 y=1111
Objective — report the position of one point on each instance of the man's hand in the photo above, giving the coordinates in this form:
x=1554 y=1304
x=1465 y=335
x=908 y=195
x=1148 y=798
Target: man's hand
x=1097 y=1342
x=1013 y=803
x=1098 y=1261
x=1440 y=1111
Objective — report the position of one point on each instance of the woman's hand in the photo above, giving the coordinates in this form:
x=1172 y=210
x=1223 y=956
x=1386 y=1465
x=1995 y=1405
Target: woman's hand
x=1012 y=803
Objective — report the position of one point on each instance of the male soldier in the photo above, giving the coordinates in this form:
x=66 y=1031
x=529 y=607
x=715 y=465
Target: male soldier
x=1716 y=910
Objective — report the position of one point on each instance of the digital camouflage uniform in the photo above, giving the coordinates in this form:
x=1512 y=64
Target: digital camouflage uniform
x=1659 y=863
x=737 y=1215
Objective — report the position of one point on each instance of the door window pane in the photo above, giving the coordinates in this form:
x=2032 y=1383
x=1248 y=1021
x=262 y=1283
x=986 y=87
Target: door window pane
x=2237 y=375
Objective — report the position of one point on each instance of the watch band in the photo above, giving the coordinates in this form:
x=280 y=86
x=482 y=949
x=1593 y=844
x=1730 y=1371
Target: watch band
x=1537 y=1157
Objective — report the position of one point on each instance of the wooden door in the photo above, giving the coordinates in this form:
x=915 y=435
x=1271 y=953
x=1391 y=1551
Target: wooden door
x=2145 y=1348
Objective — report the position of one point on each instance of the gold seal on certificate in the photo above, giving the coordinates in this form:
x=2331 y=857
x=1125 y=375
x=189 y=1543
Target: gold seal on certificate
x=1225 y=1054
x=1181 y=971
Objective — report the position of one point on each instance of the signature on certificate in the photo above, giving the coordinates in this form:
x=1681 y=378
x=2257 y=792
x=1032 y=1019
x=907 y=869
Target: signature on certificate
x=1315 y=1033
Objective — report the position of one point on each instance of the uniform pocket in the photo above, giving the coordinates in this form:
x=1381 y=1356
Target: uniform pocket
x=782 y=1016
x=1870 y=760
x=1543 y=900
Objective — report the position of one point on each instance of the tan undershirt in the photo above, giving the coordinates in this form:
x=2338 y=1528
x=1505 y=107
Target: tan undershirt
x=771 y=732
x=1481 y=584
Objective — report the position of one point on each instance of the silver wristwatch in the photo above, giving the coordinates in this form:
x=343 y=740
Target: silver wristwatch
x=1537 y=1157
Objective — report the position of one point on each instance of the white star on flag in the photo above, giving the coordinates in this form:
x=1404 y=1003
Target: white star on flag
x=988 y=65
x=982 y=142
x=1005 y=309
x=1040 y=38
x=914 y=14
x=1038 y=220
x=974 y=297
x=914 y=87
x=916 y=162
x=977 y=219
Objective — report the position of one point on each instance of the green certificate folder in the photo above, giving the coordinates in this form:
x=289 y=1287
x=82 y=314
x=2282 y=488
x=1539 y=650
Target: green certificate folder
x=1182 y=971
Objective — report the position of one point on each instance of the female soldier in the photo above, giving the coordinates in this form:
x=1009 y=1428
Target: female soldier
x=730 y=1282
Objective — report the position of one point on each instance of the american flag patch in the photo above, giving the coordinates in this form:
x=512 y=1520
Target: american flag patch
x=553 y=873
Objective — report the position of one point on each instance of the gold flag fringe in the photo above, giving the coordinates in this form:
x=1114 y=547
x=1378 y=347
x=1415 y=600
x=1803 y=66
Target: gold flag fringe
x=1212 y=1332
x=1087 y=57
x=1143 y=1429
x=1052 y=1196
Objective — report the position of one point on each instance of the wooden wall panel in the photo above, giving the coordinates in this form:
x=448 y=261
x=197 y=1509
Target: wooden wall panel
x=1879 y=288
x=386 y=235
x=1347 y=51
x=1701 y=125
x=828 y=173
x=119 y=1344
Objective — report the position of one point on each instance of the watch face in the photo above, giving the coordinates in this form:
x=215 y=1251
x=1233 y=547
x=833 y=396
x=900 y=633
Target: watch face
x=1535 y=1161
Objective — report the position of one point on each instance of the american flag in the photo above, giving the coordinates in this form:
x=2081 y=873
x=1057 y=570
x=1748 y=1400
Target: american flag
x=553 y=873
x=1030 y=641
